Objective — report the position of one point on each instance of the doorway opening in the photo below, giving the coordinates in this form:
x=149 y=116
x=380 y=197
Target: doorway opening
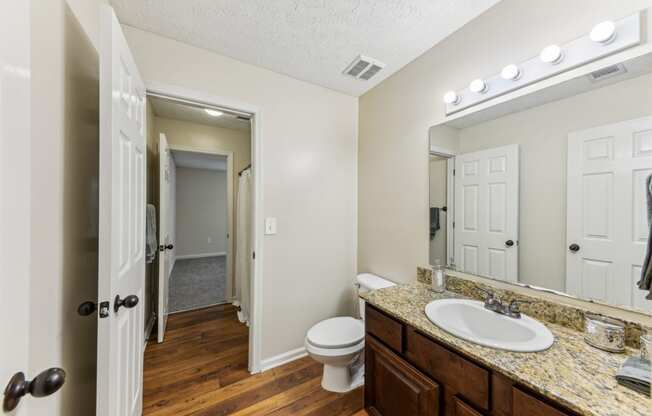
x=441 y=172
x=203 y=187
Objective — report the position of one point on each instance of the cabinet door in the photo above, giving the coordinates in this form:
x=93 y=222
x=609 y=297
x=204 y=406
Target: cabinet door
x=395 y=388
x=526 y=405
x=463 y=409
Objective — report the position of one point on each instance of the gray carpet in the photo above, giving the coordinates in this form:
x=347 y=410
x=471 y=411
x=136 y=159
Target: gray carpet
x=196 y=283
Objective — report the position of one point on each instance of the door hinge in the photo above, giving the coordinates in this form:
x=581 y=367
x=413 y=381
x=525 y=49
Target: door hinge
x=453 y=224
x=253 y=255
x=453 y=172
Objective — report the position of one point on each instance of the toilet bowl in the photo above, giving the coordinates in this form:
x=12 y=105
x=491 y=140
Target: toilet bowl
x=338 y=343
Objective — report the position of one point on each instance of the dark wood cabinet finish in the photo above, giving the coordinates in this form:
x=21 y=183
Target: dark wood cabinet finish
x=384 y=328
x=527 y=405
x=422 y=377
x=446 y=367
x=463 y=409
x=395 y=388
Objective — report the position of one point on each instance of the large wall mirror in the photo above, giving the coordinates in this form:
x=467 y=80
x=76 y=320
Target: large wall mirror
x=554 y=196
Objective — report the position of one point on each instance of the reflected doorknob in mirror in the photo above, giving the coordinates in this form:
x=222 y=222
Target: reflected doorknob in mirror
x=128 y=302
x=46 y=383
x=169 y=247
x=509 y=243
x=574 y=248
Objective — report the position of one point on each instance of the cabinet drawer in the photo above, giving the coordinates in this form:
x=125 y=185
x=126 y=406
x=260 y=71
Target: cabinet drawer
x=526 y=405
x=384 y=328
x=395 y=388
x=463 y=409
x=458 y=374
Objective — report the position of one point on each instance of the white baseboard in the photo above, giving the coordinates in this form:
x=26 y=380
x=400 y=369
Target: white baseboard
x=199 y=256
x=284 y=358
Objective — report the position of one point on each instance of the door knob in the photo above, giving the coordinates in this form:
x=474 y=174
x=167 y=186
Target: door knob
x=574 y=248
x=45 y=384
x=128 y=302
x=165 y=247
x=169 y=247
x=509 y=243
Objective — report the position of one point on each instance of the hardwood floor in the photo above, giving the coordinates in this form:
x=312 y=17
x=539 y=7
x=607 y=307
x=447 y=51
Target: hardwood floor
x=201 y=370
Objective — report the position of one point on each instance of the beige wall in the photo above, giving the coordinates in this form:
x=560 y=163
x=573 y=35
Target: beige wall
x=201 y=211
x=64 y=211
x=393 y=151
x=309 y=169
x=542 y=136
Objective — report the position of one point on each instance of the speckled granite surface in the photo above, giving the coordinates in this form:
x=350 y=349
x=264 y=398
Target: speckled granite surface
x=570 y=372
x=544 y=310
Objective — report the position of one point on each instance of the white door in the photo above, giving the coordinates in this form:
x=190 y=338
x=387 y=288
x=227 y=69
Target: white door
x=122 y=225
x=486 y=212
x=606 y=224
x=15 y=192
x=166 y=174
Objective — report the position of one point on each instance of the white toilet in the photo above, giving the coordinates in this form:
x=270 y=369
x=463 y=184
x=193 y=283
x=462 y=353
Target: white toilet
x=338 y=343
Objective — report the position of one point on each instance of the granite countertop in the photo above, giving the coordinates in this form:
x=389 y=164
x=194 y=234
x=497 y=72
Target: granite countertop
x=571 y=372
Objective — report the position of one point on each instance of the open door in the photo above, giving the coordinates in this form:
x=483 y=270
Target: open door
x=166 y=174
x=15 y=194
x=486 y=212
x=122 y=226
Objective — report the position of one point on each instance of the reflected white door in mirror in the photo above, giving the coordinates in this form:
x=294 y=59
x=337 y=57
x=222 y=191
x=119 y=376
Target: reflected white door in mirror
x=607 y=226
x=486 y=212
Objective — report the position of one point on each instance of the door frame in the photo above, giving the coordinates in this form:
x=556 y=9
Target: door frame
x=450 y=199
x=229 y=200
x=178 y=93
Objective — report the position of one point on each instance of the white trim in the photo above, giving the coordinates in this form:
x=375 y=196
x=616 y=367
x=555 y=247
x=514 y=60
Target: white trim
x=201 y=255
x=172 y=91
x=196 y=308
x=148 y=330
x=441 y=151
x=284 y=358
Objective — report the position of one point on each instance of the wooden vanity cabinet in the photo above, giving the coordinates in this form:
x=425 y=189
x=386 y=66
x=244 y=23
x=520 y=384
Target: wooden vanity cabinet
x=395 y=388
x=409 y=374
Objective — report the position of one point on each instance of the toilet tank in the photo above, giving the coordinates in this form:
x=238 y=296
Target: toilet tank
x=367 y=282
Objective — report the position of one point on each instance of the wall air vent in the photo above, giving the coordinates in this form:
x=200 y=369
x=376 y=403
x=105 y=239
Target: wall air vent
x=364 y=68
x=608 y=72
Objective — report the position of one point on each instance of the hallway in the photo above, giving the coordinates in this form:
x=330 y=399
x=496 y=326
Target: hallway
x=201 y=369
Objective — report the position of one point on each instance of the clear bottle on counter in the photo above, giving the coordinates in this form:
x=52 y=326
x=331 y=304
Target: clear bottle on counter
x=438 y=278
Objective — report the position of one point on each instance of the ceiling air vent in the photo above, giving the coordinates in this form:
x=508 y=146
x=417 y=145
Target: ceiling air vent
x=608 y=72
x=364 y=67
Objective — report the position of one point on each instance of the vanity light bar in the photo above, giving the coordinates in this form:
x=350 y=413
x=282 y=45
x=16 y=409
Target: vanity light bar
x=606 y=38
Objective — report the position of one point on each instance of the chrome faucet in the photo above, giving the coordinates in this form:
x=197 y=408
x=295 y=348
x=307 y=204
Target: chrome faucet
x=494 y=304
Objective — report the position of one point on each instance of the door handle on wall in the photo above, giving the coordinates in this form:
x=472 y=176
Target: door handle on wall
x=45 y=384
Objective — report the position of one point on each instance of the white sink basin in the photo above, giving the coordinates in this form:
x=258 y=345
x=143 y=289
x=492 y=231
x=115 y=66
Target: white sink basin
x=469 y=320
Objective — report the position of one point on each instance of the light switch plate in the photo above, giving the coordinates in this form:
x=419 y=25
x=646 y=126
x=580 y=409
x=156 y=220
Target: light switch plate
x=270 y=226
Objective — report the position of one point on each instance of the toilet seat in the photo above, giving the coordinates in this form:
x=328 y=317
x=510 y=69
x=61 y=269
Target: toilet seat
x=336 y=333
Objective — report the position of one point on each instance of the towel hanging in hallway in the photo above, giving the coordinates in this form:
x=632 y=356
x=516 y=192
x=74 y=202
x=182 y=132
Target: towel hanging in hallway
x=646 y=270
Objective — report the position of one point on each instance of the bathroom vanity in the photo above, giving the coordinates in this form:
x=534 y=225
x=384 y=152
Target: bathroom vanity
x=414 y=368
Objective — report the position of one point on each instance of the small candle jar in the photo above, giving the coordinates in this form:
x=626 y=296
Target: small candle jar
x=646 y=347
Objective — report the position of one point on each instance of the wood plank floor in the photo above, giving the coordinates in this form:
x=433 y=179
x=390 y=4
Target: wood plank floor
x=201 y=370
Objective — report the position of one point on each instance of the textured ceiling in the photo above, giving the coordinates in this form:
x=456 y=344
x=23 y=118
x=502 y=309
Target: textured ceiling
x=194 y=160
x=194 y=114
x=311 y=40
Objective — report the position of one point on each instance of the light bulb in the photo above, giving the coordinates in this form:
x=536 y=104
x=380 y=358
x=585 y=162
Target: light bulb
x=478 y=86
x=551 y=54
x=604 y=32
x=451 y=97
x=510 y=73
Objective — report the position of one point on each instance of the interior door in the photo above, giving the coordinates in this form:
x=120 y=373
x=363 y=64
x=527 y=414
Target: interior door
x=122 y=225
x=166 y=231
x=486 y=212
x=606 y=222
x=14 y=192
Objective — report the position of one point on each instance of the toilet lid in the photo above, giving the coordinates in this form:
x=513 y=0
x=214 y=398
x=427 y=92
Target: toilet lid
x=339 y=332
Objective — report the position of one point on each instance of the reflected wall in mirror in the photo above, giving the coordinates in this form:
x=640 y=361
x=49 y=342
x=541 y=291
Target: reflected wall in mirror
x=553 y=196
